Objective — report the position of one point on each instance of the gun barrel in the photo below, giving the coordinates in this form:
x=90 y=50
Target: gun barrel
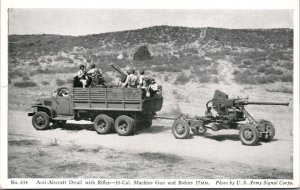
x=118 y=69
x=264 y=103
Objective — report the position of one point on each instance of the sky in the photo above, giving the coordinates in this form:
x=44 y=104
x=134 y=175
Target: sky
x=93 y=21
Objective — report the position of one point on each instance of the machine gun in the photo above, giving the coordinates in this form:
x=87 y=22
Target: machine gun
x=229 y=113
x=123 y=74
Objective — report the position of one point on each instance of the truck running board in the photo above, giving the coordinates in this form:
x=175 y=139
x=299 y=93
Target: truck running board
x=63 y=117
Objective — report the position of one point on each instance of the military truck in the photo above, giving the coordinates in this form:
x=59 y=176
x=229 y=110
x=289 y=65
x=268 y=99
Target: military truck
x=122 y=109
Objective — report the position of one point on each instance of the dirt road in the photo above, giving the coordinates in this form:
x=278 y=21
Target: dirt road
x=223 y=146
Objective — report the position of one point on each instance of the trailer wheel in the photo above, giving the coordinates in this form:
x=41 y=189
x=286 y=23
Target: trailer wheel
x=249 y=135
x=124 y=125
x=180 y=129
x=41 y=120
x=102 y=124
x=270 y=131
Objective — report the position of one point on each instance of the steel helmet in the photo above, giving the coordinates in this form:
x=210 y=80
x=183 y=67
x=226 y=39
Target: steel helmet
x=81 y=65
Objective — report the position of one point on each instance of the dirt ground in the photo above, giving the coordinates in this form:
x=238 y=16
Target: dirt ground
x=78 y=151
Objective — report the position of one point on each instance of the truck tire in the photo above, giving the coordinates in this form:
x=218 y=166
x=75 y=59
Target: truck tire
x=269 y=132
x=102 y=124
x=180 y=129
x=124 y=125
x=41 y=120
x=249 y=135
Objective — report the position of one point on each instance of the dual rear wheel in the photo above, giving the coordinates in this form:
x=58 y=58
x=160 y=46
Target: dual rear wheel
x=123 y=125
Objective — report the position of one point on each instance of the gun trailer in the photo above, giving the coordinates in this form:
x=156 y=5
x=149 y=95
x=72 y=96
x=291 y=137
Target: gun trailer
x=230 y=113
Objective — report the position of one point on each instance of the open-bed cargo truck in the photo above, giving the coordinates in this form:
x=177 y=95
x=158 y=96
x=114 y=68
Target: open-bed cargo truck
x=122 y=109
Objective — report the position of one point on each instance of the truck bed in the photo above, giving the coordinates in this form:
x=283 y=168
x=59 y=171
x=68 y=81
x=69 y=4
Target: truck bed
x=116 y=99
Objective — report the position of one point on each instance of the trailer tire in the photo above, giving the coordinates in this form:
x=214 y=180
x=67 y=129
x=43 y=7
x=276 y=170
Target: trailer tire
x=249 y=135
x=270 y=131
x=180 y=129
x=41 y=120
x=102 y=124
x=124 y=125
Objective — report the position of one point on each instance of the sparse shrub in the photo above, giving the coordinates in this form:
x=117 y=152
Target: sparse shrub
x=182 y=79
x=142 y=53
x=26 y=78
x=45 y=82
x=215 y=80
x=166 y=78
x=265 y=79
x=15 y=73
x=49 y=59
x=204 y=78
x=25 y=84
x=235 y=72
x=177 y=95
x=247 y=62
x=60 y=82
x=282 y=89
x=245 y=77
x=54 y=142
x=41 y=152
x=287 y=78
x=262 y=69
x=35 y=63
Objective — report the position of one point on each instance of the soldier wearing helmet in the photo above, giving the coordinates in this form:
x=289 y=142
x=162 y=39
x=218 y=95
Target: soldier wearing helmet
x=94 y=69
x=96 y=75
x=131 y=80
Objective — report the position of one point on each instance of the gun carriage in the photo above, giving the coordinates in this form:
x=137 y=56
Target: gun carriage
x=230 y=114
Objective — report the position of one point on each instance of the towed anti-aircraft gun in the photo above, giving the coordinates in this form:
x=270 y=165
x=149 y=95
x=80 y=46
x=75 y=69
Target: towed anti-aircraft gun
x=229 y=112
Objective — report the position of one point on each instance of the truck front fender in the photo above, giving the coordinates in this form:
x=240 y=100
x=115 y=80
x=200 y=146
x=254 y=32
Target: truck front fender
x=49 y=110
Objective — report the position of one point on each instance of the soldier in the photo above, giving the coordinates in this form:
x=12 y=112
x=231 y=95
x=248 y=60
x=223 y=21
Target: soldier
x=131 y=80
x=152 y=88
x=94 y=69
x=142 y=80
x=96 y=74
x=81 y=74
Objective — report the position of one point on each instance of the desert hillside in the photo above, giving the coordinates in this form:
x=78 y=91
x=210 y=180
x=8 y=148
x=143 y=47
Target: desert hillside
x=190 y=64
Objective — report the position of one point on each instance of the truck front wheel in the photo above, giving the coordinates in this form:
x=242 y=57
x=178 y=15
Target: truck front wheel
x=103 y=124
x=124 y=125
x=40 y=120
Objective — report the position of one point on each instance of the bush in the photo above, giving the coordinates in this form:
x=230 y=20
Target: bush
x=204 y=78
x=287 y=78
x=45 y=82
x=25 y=84
x=282 y=89
x=182 y=79
x=15 y=73
x=35 y=63
x=142 y=53
x=49 y=59
x=60 y=82
x=215 y=80
x=26 y=78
